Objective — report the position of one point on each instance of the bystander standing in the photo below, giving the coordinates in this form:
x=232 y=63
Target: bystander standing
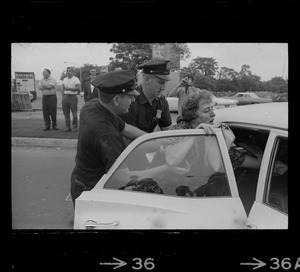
x=70 y=89
x=182 y=90
x=49 y=99
x=89 y=91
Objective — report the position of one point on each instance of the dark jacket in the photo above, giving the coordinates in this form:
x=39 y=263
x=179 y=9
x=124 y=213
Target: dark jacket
x=87 y=93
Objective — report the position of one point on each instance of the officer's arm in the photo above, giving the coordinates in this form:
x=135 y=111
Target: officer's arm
x=166 y=122
x=132 y=132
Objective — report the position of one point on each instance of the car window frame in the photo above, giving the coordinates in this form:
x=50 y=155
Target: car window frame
x=172 y=133
x=268 y=180
x=266 y=162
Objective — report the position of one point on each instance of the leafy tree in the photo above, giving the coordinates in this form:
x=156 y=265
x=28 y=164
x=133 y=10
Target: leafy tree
x=227 y=73
x=129 y=55
x=245 y=71
x=205 y=82
x=207 y=66
x=277 y=85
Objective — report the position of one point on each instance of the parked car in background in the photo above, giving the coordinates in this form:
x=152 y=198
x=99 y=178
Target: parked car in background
x=245 y=98
x=219 y=103
x=140 y=191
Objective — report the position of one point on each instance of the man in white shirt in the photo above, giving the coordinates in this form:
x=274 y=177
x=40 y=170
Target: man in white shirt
x=70 y=88
x=49 y=101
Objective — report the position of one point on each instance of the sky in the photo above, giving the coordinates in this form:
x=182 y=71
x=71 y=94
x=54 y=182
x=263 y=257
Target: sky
x=266 y=60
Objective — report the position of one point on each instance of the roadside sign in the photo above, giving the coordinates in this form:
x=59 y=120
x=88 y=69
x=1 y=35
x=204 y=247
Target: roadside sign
x=25 y=81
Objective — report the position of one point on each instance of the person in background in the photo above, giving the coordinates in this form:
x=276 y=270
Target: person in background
x=89 y=91
x=101 y=130
x=49 y=99
x=70 y=89
x=182 y=90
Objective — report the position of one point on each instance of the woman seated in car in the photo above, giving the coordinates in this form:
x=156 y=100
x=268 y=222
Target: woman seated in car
x=198 y=112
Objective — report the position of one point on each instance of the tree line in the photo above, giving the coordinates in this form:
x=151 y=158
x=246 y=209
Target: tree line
x=207 y=74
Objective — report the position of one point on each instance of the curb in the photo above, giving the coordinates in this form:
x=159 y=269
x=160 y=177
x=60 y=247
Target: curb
x=44 y=142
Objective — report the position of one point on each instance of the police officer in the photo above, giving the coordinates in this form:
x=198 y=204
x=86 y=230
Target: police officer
x=151 y=108
x=101 y=130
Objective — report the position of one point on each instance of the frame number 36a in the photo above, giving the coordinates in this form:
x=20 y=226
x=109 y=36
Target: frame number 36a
x=147 y=264
x=285 y=264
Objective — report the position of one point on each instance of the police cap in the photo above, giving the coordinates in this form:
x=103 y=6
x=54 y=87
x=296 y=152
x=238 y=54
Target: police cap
x=158 y=67
x=117 y=82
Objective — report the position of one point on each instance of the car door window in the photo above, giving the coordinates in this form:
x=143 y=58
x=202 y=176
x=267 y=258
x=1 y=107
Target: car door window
x=197 y=171
x=276 y=193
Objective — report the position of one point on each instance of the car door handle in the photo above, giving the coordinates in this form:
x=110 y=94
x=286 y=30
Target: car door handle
x=92 y=224
x=251 y=226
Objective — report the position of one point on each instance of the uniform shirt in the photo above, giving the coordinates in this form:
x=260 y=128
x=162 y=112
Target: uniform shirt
x=46 y=82
x=100 y=142
x=71 y=83
x=147 y=116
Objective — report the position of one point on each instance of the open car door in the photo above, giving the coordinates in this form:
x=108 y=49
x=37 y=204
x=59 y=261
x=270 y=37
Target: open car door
x=141 y=191
x=270 y=209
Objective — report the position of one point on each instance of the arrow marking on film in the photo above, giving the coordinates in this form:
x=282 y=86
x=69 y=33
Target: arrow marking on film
x=118 y=264
x=258 y=263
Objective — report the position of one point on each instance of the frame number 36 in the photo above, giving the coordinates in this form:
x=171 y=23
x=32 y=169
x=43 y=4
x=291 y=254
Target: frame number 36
x=147 y=264
x=285 y=264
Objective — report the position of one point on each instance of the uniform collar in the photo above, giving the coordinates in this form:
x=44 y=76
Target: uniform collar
x=142 y=96
x=102 y=107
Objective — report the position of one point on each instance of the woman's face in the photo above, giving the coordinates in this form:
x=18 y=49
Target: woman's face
x=205 y=113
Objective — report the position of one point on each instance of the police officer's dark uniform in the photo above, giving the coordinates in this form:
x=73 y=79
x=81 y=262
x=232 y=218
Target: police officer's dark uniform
x=143 y=114
x=100 y=141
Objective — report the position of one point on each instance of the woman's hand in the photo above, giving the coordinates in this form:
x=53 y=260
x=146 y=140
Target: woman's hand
x=209 y=129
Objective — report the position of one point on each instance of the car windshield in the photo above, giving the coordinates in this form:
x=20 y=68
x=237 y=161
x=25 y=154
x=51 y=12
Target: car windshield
x=174 y=166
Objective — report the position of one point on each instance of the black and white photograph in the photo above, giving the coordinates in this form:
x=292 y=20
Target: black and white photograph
x=149 y=135
x=152 y=136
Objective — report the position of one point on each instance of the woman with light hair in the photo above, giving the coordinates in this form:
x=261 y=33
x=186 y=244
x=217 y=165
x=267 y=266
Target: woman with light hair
x=198 y=112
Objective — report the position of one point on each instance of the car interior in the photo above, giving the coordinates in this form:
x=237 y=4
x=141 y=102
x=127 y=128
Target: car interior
x=253 y=142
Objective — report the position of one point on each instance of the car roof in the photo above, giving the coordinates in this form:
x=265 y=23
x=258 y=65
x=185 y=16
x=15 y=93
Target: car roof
x=272 y=115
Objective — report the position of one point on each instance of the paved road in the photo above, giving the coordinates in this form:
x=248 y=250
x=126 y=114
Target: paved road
x=40 y=185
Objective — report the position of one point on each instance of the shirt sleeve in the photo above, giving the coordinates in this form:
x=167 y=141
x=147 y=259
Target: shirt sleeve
x=166 y=119
x=108 y=148
x=76 y=81
x=131 y=116
x=53 y=82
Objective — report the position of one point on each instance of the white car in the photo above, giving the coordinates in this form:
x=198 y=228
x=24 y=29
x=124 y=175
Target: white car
x=219 y=103
x=245 y=98
x=141 y=192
